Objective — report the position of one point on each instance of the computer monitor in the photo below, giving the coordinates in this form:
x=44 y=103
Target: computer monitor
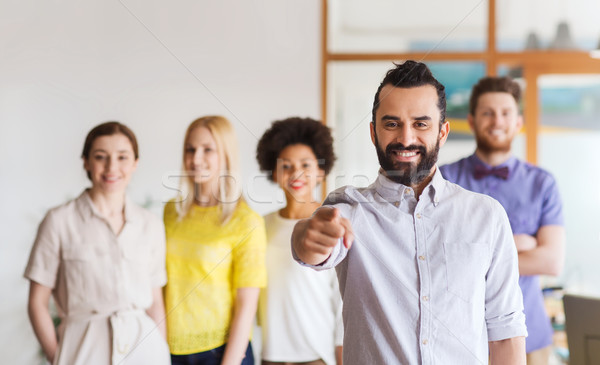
x=582 y=320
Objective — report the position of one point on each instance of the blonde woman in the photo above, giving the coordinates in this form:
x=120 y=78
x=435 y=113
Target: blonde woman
x=102 y=258
x=215 y=253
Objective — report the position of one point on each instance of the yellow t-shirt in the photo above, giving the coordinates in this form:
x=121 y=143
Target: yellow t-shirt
x=206 y=263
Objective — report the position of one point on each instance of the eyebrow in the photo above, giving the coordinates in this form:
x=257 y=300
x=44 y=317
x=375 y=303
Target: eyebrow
x=301 y=160
x=201 y=145
x=104 y=151
x=424 y=117
x=391 y=117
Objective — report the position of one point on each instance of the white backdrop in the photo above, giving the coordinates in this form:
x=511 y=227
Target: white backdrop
x=66 y=66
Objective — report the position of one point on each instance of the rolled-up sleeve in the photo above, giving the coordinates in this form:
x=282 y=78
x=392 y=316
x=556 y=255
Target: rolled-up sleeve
x=503 y=300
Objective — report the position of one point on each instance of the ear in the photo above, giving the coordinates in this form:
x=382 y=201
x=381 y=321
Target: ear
x=444 y=131
x=372 y=127
x=274 y=174
x=135 y=165
x=85 y=164
x=320 y=176
x=519 y=122
x=471 y=121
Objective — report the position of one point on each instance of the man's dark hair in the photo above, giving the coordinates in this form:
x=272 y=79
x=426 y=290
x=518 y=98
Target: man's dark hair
x=291 y=131
x=412 y=74
x=493 y=84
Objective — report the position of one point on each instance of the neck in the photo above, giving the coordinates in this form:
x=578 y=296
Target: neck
x=418 y=188
x=108 y=204
x=493 y=158
x=298 y=209
x=206 y=194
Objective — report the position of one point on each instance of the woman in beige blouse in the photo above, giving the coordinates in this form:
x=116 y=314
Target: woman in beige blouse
x=102 y=258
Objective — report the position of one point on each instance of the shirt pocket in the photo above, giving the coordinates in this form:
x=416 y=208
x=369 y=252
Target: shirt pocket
x=78 y=266
x=466 y=267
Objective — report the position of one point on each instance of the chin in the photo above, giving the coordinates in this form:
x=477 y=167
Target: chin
x=494 y=145
x=301 y=195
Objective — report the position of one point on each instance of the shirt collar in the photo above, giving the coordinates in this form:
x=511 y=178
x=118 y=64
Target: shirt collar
x=391 y=190
x=511 y=163
x=88 y=210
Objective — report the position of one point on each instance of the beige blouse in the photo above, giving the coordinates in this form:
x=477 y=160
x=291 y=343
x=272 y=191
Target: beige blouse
x=102 y=283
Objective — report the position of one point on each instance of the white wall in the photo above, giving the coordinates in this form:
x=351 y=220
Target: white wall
x=66 y=66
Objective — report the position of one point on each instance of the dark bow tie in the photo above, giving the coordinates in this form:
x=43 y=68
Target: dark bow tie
x=481 y=171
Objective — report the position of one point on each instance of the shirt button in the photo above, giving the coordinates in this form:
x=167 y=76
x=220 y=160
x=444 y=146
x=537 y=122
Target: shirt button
x=422 y=258
x=418 y=215
x=396 y=204
x=425 y=342
x=425 y=298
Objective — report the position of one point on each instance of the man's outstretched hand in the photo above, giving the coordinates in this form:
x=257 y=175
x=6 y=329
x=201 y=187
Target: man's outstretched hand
x=314 y=238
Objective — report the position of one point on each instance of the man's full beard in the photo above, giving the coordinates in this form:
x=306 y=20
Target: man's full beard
x=406 y=173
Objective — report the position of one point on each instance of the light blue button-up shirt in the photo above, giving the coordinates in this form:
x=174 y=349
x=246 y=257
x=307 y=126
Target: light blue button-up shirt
x=428 y=281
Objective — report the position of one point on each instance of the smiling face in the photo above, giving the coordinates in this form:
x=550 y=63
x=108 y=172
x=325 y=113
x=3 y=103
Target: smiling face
x=407 y=133
x=111 y=163
x=298 y=172
x=496 y=121
x=201 y=157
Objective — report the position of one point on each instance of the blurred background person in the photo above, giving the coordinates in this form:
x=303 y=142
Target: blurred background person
x=300 y=309
x=102 y=258
x=215 y=253
x=528 y=193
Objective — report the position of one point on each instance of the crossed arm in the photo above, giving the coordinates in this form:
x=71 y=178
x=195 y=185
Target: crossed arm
x=542 y=254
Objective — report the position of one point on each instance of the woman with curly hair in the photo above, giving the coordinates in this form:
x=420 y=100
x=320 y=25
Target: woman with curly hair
x=300 y=309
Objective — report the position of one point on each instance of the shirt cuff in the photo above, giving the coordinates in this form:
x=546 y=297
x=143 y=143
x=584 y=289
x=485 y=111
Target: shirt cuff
x=502 y=328
x=40 y=276
x=331 y=261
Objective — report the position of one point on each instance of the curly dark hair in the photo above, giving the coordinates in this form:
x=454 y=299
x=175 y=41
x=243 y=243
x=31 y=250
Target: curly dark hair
x=291 y=131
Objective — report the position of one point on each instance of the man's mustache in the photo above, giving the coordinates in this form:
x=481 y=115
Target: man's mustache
x=400 y=147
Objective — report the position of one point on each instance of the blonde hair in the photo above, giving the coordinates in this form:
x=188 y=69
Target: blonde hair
x=227 y=149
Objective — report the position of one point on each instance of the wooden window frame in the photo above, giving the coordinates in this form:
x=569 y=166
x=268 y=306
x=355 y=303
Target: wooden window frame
x=533 y=63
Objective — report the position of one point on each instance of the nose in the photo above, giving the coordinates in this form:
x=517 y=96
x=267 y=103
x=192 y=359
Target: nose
x=406 y=136
x=198 y=157
x=295 y=172
x=110 y=164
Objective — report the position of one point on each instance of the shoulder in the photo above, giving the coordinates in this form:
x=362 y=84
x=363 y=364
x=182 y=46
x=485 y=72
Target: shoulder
x=470 y=199
x=243 y=212
x=533 y=170
x=541 y=178
x=65 y=211
x=170 y=210
x=271 y=218
x=143 y=214
x=452 y=169
x=349 y=195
